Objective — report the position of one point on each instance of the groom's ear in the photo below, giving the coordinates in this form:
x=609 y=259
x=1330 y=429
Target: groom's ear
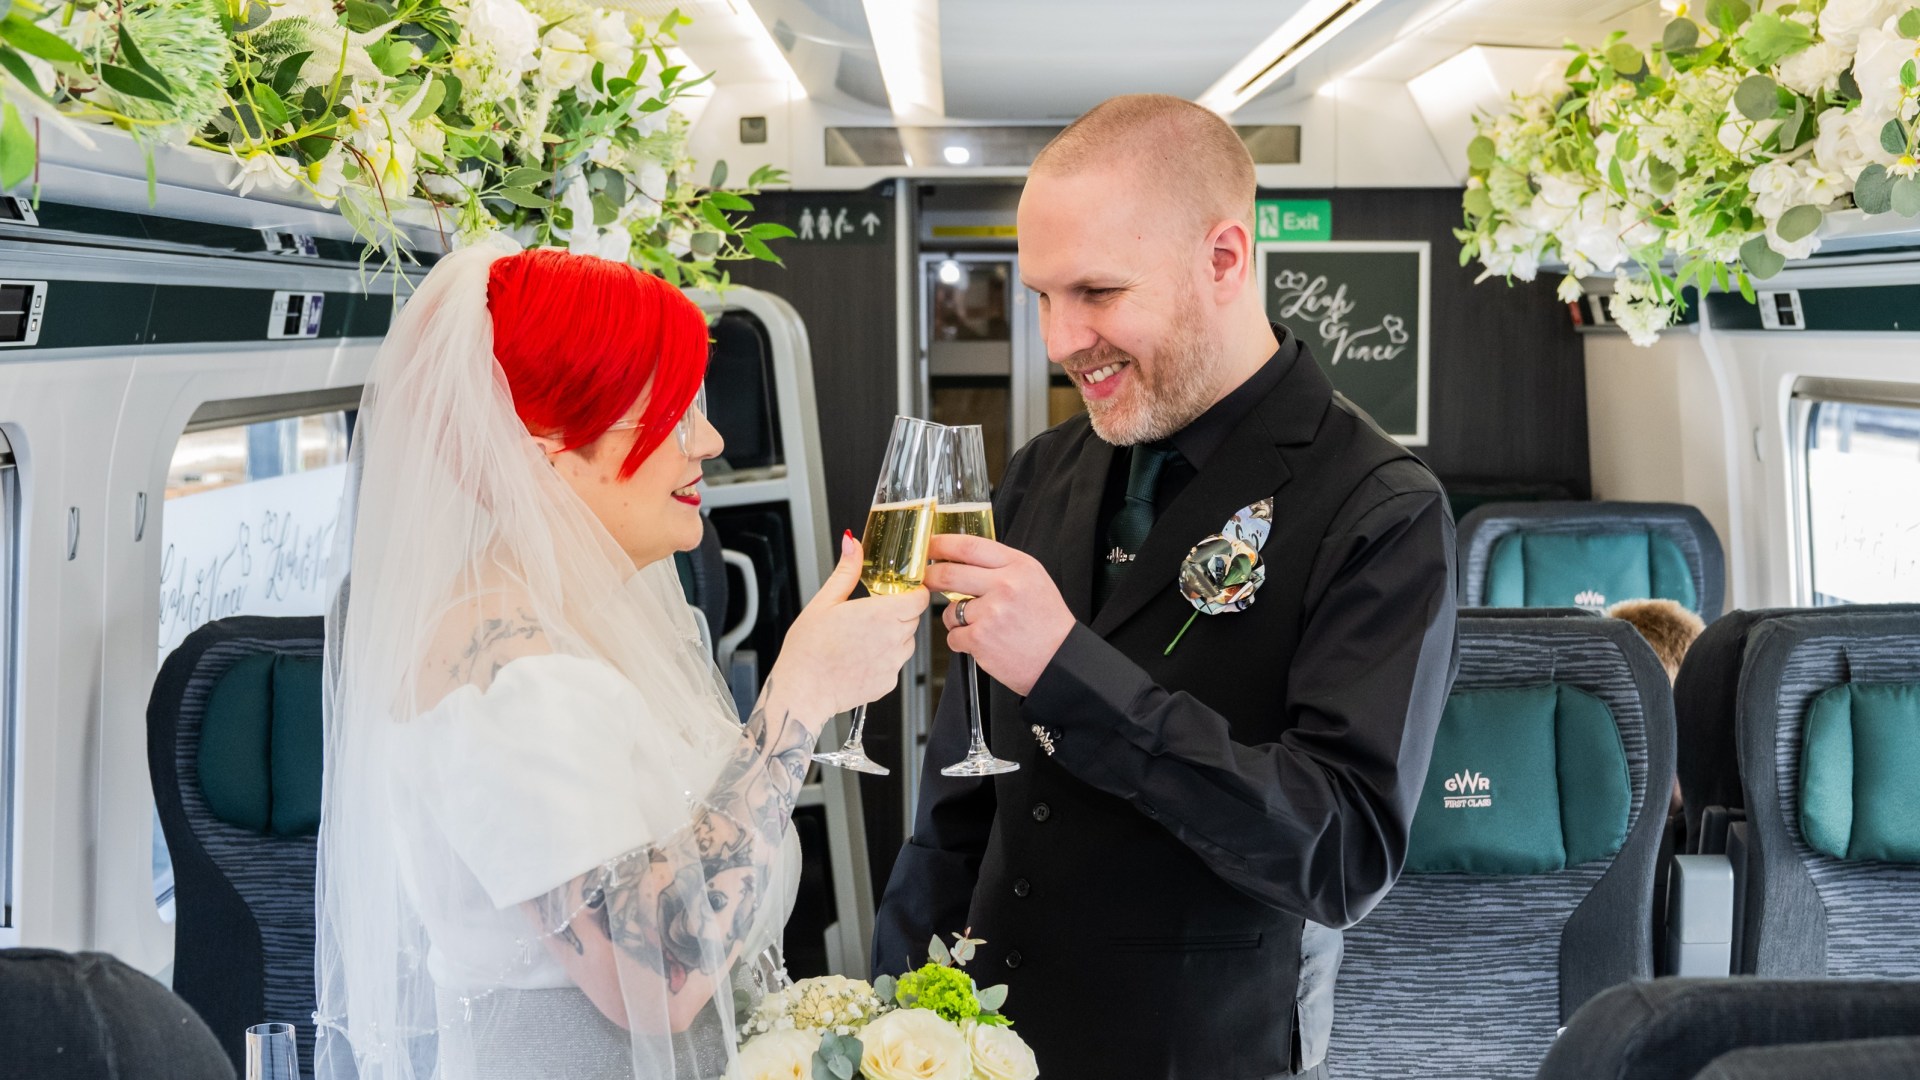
x=1230 y=259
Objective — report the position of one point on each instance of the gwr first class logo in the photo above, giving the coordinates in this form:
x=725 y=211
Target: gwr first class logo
x=1591 y=598
x=1468 y=791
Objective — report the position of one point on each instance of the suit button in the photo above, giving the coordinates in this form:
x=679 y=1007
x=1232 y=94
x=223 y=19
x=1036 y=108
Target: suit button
x=1022 y=887
x=1013 y=959
x=1041 y=811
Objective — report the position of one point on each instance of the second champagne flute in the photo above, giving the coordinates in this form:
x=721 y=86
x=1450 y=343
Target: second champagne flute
x=894 y=548
x=966 y=506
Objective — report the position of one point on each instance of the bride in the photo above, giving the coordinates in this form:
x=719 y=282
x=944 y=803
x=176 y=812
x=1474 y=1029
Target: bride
x=549 y=846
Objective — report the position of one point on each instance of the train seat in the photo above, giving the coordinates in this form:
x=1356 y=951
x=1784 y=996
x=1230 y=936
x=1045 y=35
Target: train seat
x=1590 y=554
x=1827 y=721
x=234 y=748
x=1678 y=1029
x=88 y=1016
x=1528 y=882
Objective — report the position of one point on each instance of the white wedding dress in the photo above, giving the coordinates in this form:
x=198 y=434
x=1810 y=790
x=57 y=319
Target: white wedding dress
x=549 y=772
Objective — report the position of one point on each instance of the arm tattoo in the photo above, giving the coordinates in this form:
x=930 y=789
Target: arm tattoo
x=668 y=914
x=490 y=633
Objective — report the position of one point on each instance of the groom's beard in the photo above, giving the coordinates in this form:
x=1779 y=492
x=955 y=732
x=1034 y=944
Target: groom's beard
x=1165 y=396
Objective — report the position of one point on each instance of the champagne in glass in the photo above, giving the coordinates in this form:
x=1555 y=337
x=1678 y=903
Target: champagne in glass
x=966 y=507
x=894 y=548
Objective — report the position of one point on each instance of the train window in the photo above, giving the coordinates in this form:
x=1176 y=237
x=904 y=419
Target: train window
x=9 y=525
x=253 y=494
x=1860 y=503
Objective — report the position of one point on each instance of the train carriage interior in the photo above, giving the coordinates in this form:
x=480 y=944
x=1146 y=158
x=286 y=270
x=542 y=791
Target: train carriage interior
x=1671 y=389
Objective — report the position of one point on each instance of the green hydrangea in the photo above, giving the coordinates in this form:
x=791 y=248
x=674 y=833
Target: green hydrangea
x=943 y=990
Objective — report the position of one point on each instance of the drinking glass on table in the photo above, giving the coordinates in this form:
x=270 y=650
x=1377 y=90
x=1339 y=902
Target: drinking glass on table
x=894 y=546
x=965 y=506
x=271 y=1054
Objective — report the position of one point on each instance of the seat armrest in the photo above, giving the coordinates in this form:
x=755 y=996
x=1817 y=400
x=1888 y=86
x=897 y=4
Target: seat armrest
x=1700 y=915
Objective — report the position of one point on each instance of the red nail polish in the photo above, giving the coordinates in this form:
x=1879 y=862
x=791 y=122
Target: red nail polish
x=849 y=534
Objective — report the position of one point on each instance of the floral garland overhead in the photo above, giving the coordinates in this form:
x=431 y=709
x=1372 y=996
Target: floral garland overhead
x=551 y=119
x=1709 y=159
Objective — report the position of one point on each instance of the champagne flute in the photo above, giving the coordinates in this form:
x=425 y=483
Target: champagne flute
x=966 y=507
x=271 y=1054
x=894 y=547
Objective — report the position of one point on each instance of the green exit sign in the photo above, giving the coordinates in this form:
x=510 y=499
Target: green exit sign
x=1292 y=219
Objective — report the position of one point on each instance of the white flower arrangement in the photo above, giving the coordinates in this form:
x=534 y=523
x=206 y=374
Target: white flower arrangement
x=552 y=119
x=1707 y=160
x=929 y=1024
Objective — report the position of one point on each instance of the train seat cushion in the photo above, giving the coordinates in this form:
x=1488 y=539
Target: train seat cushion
x=1523 y=780
x=1542 y=569
x=260 y=745
x=1858 y=798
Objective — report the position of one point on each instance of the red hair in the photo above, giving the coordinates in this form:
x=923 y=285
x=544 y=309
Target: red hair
x=580 y=339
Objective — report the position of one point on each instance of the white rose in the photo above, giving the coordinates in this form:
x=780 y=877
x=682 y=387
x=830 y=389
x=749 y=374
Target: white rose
x=1559 y=191
x=1876 y=67
x=609 y=40
x=564 y=60
x=1516 y=253
x=914 y=1044
x=1842 y=21
x=999 y=1054
x=1591 y=240
x=777 y=1055
x=1775 y=187
x=511 y=31
x=1846 y=145
x=1814 y=68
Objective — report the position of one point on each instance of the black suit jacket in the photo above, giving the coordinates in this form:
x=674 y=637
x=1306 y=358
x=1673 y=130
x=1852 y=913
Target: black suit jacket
x=1143 y=891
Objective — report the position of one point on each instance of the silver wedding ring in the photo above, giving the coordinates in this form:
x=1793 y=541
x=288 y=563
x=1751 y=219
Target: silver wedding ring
x=960 y=611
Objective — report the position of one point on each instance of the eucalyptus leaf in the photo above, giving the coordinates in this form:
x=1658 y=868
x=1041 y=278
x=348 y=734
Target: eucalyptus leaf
x=1480 y=152
x=1849 y=86
x=16 y=148
x=391 y=54
x=1624 y=58
x=1757 y=97
x=1681 y=35
x=363 y=15
x=884 y=987
x=431 y=100
x=45 y=44
x=1873 y=192
x=937 y=953
x=1789 y=133
x=1477 y=202
x=719 y=179
x=1660 y=176
x=1910 y=24
x=1893 y=137
x=253 y=15
x=1906 y=196
x=1909 y=76
x=993 y=997
x=1760 y=259
x=134 y=84
x=1799 y=222
x=605 y=210
x=287 y=72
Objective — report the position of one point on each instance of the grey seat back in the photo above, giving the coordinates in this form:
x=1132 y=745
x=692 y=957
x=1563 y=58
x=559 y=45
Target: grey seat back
x=1496 y=569
x=1808 y=911
x=1472 y=971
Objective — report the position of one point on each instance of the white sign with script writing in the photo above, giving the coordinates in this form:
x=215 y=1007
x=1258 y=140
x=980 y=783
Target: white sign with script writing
x=259 y=548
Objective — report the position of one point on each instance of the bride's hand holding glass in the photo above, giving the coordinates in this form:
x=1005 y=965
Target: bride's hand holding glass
x=842 y=652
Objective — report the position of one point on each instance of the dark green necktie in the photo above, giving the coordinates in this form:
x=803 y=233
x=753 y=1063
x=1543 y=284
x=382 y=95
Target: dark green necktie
x=1128 y=528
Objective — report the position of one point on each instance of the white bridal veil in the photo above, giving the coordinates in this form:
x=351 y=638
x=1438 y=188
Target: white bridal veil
x=528 y=755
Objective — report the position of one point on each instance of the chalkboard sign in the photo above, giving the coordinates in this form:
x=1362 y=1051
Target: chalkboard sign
x=1361 y=307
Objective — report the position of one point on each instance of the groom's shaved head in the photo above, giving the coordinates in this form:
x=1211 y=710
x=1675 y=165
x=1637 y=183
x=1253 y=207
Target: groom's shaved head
x=1185 y=153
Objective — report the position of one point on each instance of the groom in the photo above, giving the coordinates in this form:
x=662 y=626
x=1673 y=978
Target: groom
x=1156 y=883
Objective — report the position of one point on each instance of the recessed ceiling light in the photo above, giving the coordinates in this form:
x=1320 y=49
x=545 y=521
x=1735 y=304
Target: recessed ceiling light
x=950 y=273
x=957 y=155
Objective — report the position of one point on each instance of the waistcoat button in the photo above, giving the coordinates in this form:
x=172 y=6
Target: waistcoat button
x=1013 y=959
x=1041 y=811
x=1022 y=887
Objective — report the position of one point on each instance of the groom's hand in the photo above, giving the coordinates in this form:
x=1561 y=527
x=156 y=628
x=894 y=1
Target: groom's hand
x=1016 y=619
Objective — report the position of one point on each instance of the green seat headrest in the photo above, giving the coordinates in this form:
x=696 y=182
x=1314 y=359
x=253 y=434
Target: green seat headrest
x=260 y=745
x=1590 y=570
x=1859 y=796
x=1524 y=780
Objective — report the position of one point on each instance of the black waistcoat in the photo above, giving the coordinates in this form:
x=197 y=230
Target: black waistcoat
x=1126 y=957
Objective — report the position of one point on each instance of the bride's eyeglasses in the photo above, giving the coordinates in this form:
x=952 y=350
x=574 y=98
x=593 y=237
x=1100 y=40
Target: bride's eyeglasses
x=683 y=430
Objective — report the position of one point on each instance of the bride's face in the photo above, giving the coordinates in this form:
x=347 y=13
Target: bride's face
x=656 y=511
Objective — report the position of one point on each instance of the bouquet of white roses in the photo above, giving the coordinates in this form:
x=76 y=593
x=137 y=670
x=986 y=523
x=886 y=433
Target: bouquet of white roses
x=929 y=1024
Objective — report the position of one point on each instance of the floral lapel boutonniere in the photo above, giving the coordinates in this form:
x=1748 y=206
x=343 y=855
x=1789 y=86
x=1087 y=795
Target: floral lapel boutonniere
x=1223 y=571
